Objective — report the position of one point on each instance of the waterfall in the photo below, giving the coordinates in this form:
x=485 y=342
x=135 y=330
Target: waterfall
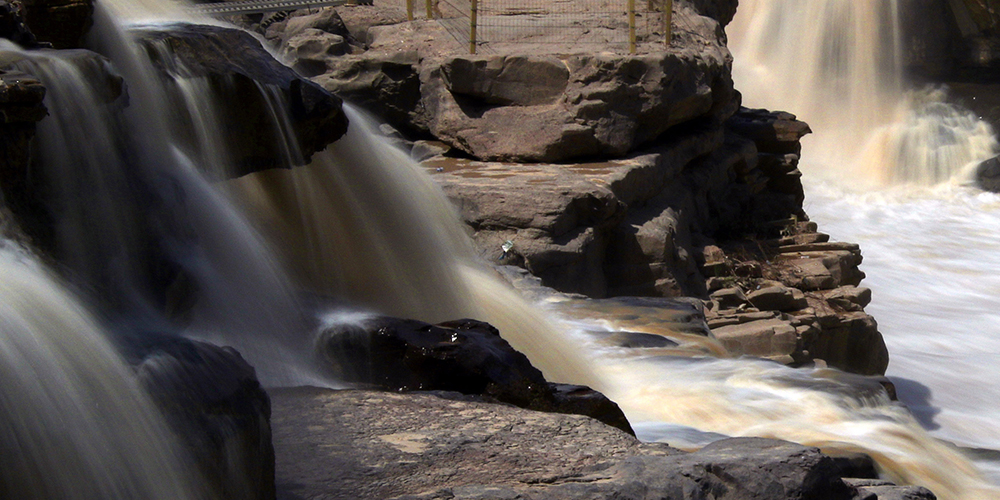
x=363 y=224
x=74 y=423
x=362 y=227
x=837 y=64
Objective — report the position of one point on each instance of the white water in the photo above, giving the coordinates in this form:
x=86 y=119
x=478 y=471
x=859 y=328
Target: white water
x=887 y=174
x=74 y=423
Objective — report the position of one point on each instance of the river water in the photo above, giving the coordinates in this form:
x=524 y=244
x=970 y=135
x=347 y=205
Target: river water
x=888 y=168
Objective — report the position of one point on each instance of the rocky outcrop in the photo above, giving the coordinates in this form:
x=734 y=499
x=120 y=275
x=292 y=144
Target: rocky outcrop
x=795 y=300
x=211 y=397
x=445 y=446
x=464 y=356
x=552 y=108
x=236 y=66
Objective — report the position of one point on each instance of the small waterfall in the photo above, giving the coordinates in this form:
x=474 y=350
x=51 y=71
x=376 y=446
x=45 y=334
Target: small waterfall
x=74 y=423
x=837 y=65
x=363 y=224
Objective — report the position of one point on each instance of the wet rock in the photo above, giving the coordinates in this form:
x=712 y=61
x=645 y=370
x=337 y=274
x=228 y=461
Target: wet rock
x=987 y=175
x=465 y=356
x=213 y=400
x=235 y=64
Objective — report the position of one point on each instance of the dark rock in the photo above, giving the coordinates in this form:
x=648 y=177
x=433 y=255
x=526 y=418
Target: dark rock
x=12 y=25
x=235 y=64
x=465 y=356
x=988 y=175
x=212 y=399
x=63 y=23
x=21 y=107
x=774 y=132
x=729 y=298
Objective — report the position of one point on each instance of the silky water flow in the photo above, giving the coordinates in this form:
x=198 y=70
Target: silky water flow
x=365 y=228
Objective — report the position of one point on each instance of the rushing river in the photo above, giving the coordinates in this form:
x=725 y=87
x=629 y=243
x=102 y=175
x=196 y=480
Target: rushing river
x=887 y=168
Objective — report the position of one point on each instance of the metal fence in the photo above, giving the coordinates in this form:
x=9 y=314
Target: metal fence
x=505 y=25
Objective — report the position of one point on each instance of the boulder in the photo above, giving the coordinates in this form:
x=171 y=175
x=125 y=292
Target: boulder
x=368 y=445
x=21 y=107
x=235 y=66
x=465 y=356
x=211 y=397
x=987 y=175
x=555 y=110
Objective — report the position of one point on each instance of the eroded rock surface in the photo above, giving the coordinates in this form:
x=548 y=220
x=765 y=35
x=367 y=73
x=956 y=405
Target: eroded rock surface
x=358 y=444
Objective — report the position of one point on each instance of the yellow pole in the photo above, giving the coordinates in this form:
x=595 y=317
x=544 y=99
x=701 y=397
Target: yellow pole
x=631 y=26
x=668 y=17
x=472 y=26
x=430 y=14
x=409 y=10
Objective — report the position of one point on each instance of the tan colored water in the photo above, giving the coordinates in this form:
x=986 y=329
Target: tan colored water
x=365 y=225
x=76 y=424
x=836 y=64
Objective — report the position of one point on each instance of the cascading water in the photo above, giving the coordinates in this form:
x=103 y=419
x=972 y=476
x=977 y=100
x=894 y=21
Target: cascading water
x=929 y=250
x=364 y=227
x=74 y=422
x=837 y=65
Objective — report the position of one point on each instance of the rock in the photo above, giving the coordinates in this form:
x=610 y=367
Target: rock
x=13 y=26
x=774 y=132
x=464 y=356
x=777 y=298
x=357 y=444
x=767 y=338
x=987 y=175
x=63 y=23
x=877 y=489
x=308 y=50
x=235 y=63
x=729 y=298
x=849 y=298
x=566 y=115
x=211 y=397
x=21 y=107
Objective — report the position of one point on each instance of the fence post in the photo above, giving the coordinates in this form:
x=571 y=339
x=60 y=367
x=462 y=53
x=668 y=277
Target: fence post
x=631 y=26
x=409 y=10
x=430 y=13
x=473 y=11
x=668 y=17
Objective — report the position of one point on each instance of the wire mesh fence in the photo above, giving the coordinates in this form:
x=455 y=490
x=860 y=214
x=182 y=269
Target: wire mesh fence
x=557 y=25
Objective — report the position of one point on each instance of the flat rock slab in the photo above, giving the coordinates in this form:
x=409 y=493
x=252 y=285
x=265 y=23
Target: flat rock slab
x=381 y=445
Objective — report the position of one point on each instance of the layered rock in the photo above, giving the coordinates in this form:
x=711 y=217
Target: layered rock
x=446 y=446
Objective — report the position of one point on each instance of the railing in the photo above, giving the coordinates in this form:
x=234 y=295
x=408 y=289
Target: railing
x=556 y=22
x=259 y=6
